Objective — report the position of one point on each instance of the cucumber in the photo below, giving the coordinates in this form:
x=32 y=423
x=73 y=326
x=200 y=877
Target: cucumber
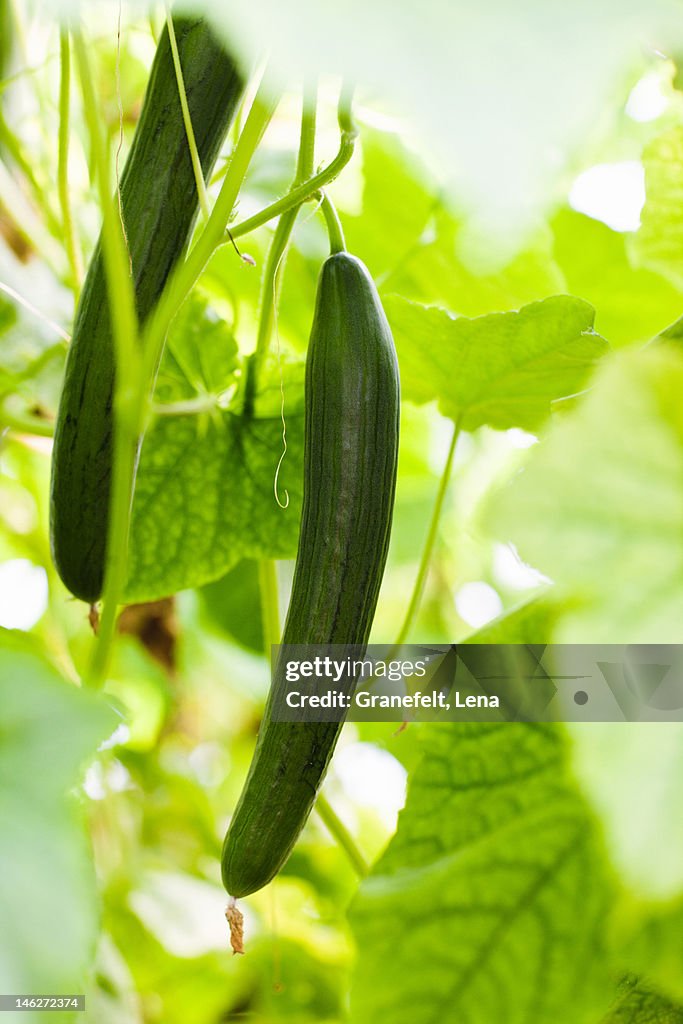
x=159 y=203
x=350 y=455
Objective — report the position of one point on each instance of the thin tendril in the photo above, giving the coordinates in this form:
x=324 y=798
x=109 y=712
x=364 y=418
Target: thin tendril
x=284 y=504
x=120 y=145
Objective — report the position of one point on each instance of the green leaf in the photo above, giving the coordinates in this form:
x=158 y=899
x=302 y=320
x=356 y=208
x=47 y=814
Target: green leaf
x=47 y=884
x=420 y=258
x=436 y=272
x=488 y=903
x=639 y=1004
x=233 y=604
x=503 y=370
x=632 y=304
x=597 y=506
x=529 y=623
x=651 y=946
x=398 y=190
x=204 y=497
x=659 y=241
x=200 y=356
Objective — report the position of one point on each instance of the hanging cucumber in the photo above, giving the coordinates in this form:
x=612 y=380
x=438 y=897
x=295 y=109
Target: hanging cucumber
x=159 y=203
x=351 y=446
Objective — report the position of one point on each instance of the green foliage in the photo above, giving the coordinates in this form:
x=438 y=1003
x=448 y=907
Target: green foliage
x=632 y=303
x=48 y=889
x=658 y=243
x=638 y=1004
x=511 y=367
x=199 y=480
x=598 y=504
x=495 y=884
x=233 y=604
x=651 y=945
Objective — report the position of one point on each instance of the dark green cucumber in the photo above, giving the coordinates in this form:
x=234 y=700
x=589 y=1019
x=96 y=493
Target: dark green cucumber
x=160 y=203
x=351 y=446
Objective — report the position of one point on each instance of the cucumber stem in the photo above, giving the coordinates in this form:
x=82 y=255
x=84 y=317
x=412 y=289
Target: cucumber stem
x=72 y=247
x=334 y=227
x=270 y=609
x=186 y=275
x=278 y=247
x=312 y=186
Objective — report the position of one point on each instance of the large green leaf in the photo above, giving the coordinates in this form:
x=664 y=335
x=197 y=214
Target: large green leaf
x=489 y=902
x=598 y=505
x=659 y=242
x=503 y=370
x=205 y=499
x=205 y=489
x=47 y=884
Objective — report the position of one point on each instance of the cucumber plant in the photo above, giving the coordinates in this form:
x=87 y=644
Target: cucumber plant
x=159 y=204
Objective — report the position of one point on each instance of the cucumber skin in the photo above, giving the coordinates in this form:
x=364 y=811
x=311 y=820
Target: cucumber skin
x=350 y=458
x=160 y=204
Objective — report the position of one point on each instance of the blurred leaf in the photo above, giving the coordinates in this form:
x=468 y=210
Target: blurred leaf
x=234 y=604
x=112 y=999
x=653 y=946
x=47 y=886
x=631 y=772
x=398 y=190
x=672 y=334
x=659 y=242
x=530 y=623
x=598 y=504
x=435 y=272
x=479 y=922
x=503 y=370
x=632 y=304
x=8 y=314
x=420 y=258
x=639 y=1004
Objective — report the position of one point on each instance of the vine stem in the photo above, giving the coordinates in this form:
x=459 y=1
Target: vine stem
x=342 y=835
x=186 y=275
x=276 y=255
x=192 y=143
x=72 y=247
x=129 y=388
x=278 y=247
x=313 y=184
x=428 y=549
x=334 y=227
x=270 y=604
